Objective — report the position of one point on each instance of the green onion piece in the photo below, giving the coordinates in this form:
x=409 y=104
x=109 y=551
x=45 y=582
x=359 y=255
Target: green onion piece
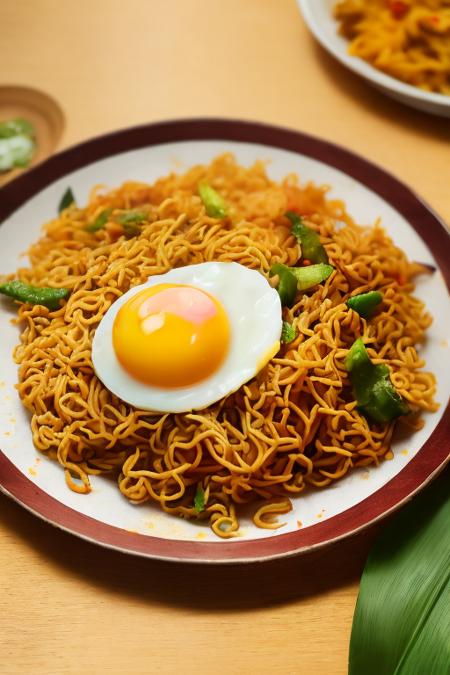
x=16 y=151
x=214 y=204
x=401 y=623
x=66 y=200
x=287 y=284
x=100 y=222
x=375 y=394
x=288 y=333
x=17 y=144
x=131 y=217
x=34 y=295
x=16 y=127
x=309 y=240
x=199 y=499
x=310 y=276
x=365 y=304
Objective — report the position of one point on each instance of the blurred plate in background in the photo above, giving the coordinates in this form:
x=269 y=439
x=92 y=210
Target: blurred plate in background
x=318 y=15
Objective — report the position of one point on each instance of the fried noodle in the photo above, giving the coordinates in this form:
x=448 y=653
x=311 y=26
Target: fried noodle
x=407 y=39
x=293 y=426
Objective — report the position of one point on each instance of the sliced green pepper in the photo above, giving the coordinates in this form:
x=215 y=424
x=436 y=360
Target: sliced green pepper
x=66 y=200
x=293 y=279
x=375 y=394
x=310 y=276
x=100 y=222
x=131 y=217
x=34 y=295
x=287 y=284
x=199 y=499
x=309 y=240
x=214 y=204
x=288 y=333
x=365 y=304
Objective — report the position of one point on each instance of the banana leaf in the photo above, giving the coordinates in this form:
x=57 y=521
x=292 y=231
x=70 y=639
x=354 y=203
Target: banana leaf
x=401 y=624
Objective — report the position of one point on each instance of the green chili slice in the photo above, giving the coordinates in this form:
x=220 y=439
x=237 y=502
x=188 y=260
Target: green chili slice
x=375 y=394
x=199 y=499
x=311 y=275
x=287 y=283
x=34 y=295
x=288 y=333
x=293 y=279
x=365 y=304
x=128 y=217
x=214 y=204
x=309 y=240
x=100 y=222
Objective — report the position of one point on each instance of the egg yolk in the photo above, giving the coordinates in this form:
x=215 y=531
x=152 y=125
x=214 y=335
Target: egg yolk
x=171 y=336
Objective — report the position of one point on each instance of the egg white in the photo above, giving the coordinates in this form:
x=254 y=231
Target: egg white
x=253 y=309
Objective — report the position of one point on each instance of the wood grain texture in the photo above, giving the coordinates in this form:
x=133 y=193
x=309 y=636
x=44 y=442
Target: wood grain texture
x=71 y=607
x=67 y=606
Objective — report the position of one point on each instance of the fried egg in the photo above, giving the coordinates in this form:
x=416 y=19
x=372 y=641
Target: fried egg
x=185 y=339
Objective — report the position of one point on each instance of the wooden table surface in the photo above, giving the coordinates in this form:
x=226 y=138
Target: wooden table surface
x=67 y=606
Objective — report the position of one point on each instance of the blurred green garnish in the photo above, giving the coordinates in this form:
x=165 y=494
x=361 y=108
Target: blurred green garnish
x=100 y=222
x=17 y=144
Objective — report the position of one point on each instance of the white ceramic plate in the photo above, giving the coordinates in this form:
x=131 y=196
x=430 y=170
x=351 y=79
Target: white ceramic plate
x=318 y=15
x=144 y=154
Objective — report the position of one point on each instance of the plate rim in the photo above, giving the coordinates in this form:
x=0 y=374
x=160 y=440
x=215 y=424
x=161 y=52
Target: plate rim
x=439 y=102
x=427 y=463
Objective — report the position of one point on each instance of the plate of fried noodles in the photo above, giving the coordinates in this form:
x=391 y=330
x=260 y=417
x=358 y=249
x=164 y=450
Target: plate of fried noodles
x=322 y=277
x=400 y=46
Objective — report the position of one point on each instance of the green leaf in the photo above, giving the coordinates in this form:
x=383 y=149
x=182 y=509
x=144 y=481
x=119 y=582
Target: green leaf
x=401 y=624
x=199 y=499
x=288 y=333
x=214 y=204
x=100 y=222
x=66 y=200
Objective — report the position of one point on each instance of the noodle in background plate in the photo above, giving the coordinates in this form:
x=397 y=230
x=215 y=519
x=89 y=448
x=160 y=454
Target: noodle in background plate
x=295 y=424
x=407 y=39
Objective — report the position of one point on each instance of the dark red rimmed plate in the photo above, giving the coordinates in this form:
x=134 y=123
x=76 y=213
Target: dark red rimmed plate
x=145 y=153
